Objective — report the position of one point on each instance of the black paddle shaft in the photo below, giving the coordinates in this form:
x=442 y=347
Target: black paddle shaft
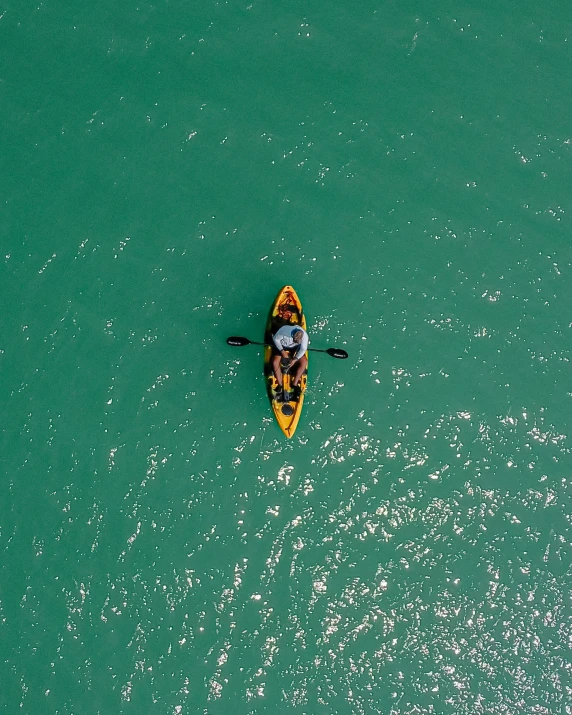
x=239 y=342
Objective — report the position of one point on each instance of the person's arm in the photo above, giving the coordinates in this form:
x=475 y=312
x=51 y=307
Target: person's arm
x=303 y=347
x=276 y=338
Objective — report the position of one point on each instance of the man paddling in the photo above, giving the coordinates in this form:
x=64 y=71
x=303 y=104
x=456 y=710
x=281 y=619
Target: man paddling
x=290 y=345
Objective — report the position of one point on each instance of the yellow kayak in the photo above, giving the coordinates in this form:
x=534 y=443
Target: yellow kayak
x=287 y=310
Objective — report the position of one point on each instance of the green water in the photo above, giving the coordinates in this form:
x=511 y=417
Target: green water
x=166 y=169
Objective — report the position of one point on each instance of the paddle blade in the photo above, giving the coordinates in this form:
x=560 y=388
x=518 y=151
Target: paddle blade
x=337 y=353
x=237 y=341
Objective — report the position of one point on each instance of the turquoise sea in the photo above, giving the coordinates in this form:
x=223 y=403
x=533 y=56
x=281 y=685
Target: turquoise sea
x=166 y=169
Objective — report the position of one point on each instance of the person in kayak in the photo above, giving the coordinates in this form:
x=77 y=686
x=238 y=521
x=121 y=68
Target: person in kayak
x=290 y=345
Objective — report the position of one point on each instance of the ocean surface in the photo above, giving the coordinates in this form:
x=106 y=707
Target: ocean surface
x=166 y=169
